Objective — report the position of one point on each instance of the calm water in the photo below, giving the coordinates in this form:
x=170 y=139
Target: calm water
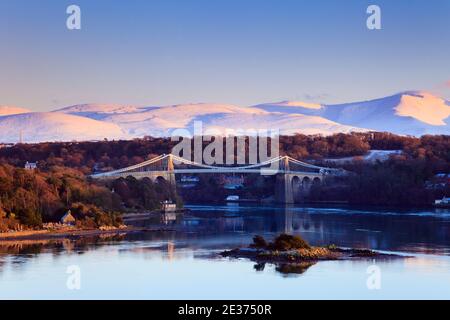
x=184 y=264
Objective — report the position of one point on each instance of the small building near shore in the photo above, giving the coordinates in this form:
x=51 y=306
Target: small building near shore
x=443 y=201
x=168 y=206
x=30 y=165
x=68 y=219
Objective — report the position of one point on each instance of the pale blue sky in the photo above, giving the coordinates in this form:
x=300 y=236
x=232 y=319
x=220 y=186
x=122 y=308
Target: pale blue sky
x=242 y=52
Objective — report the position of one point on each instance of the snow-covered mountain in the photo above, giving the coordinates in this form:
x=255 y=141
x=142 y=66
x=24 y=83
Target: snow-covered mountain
x=8 y=110
x=100 y=111
x=161 y=121
x=50 y=126
x=407 y=113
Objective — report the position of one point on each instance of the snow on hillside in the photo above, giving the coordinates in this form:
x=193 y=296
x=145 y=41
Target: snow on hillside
x=292 y=107
x=287 y=124
x=178 y=116
x=47 y=126
x=222 y=117
x=169 y=118
x=371 y=156
x=99 y=111
x=8 y=110
x=407 y=113
x=424 y=107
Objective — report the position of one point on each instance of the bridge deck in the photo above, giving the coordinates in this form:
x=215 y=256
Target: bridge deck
x=200 y=171
x=168 y=161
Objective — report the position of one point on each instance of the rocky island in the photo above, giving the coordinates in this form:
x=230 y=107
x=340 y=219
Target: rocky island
x=292 y=254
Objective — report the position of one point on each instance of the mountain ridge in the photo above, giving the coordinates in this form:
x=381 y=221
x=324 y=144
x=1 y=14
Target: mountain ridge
x=405 y=113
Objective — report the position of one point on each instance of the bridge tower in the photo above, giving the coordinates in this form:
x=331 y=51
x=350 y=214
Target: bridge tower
x=283 y=185
x=284 y=164
x=170 y=168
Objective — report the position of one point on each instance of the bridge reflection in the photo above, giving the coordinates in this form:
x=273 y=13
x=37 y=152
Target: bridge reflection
x=225 y=226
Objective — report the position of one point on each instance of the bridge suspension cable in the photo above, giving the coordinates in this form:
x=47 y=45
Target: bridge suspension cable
x=137 y=166
x=181 y=160
x=304 y=164
x=186 y=161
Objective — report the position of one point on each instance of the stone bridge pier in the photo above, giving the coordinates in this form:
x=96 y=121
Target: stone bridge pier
x=292 y=187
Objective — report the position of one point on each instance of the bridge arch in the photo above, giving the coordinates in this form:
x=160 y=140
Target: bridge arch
x=306 y=184
x=160 y=179
x=296 y=188
x=301 y=186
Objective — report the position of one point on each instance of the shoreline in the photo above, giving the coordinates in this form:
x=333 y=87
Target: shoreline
x=72 y=234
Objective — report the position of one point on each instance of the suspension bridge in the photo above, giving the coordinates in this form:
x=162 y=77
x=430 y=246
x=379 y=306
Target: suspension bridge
x=294 y=178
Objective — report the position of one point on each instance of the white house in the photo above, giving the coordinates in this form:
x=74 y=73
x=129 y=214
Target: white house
x=31 y=165
x=168 y=206
x=68 y=219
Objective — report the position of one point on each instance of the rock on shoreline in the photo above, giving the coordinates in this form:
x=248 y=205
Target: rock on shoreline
x=291 y=254
x=301 y=255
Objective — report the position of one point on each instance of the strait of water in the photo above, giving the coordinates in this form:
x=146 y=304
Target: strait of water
x=184 y=264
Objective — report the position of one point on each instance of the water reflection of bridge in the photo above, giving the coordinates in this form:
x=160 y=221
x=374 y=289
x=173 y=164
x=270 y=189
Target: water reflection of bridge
x=320 y=226
x=225 y=227
x=294 y=178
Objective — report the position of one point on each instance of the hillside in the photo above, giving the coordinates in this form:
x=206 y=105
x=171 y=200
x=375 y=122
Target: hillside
x=47 y=126
x=9 y=110
x=408 y=113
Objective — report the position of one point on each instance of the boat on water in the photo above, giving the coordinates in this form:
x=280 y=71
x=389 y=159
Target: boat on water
x=442 y=203
x=232 y=199
x=237 y=199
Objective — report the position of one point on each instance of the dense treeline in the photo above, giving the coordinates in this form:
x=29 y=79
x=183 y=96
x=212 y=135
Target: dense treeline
x=209 y=189
x=106 y=155
x=32 y=197
x=406 y=179
x=86 y=156
x=397 y=181
x=143 y=194
x=434 y=148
